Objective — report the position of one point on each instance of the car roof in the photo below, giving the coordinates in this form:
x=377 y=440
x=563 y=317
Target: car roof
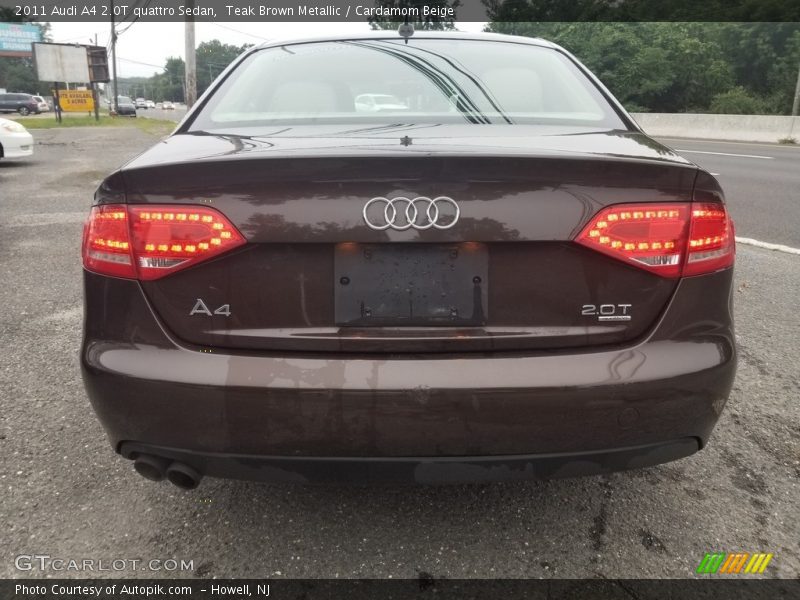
x=393 y=35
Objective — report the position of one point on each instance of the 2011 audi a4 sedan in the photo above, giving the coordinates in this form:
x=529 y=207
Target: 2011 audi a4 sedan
x=503 y=278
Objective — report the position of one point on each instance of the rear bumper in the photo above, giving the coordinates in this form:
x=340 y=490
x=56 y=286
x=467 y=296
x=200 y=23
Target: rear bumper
x=17 y=145
x=476 y=417
x=426 y=470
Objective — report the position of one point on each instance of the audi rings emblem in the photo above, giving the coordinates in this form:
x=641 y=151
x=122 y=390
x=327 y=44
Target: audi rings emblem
x=403 y=213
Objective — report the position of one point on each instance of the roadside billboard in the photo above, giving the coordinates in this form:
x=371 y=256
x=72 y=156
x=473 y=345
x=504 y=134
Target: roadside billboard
x=16 y=39
x=61 y=62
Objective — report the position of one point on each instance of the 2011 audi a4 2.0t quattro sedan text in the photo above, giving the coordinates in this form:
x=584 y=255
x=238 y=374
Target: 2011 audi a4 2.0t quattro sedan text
x=496 y=276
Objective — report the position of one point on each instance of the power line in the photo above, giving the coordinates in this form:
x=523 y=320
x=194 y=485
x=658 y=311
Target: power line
x=77 y=37
x=132 y=11
x=258 y=37
x=138 y=62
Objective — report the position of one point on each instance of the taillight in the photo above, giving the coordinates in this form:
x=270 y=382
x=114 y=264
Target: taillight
x=671 y=240
x=712 y=243
x=106 y=242
x=148 y=242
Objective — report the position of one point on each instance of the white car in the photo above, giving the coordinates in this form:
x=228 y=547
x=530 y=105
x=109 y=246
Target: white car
x=44 y=105
x=15 y=141
x=150 y=104
x=378 y=103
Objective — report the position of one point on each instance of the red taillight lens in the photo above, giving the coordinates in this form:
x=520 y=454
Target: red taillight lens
x=148 y=242
x=106 y=242
x=668 y=239
x=712 y=244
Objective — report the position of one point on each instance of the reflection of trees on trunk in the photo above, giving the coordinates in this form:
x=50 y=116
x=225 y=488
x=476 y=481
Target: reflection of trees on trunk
x=271 y=226
x=263 y=225
x=241 y=144
x=649 y=142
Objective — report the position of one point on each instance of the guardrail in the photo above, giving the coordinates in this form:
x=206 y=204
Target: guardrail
x=740 y=128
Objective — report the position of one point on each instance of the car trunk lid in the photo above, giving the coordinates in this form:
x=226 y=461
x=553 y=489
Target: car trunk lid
x=315 y=277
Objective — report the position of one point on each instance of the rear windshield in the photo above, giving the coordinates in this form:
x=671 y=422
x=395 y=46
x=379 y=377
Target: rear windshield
x=423 y=81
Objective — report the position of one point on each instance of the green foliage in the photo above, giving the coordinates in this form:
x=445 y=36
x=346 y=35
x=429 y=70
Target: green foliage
x=167 y=85
x=737 y=101
x=642 y=10
x=682 y=67
x=18 y=75
x=156 y=127
x=212 y=58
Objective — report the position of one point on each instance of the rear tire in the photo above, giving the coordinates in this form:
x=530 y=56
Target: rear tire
x=24 y=111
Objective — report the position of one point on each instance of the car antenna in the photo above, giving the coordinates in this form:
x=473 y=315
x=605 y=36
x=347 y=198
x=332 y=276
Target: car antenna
x=406 y=30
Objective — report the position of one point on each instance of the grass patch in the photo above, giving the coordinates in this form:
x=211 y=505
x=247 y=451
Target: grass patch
x=154 y=126
x=788 y=141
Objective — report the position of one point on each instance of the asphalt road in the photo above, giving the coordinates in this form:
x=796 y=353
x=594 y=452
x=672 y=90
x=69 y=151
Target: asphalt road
x=66 y=494
x=176 y=114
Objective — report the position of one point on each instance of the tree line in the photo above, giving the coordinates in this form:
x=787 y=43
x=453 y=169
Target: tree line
x=211 y=59
x=732 y=68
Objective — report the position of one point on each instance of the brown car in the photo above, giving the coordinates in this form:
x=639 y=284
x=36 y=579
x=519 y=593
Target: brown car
x=496 y=275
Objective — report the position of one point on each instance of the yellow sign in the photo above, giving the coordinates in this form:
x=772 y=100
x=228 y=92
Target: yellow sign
x=76 y=100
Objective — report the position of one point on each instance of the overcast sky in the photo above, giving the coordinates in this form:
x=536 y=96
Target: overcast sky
x=143 y=49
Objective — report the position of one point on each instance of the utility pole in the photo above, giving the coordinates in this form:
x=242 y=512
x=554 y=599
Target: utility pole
x=114 y=60
x=190 y=63
x=95 y=94
x=796 y=105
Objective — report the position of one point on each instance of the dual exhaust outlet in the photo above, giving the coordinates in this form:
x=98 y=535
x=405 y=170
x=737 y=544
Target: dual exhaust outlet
x=156 y=468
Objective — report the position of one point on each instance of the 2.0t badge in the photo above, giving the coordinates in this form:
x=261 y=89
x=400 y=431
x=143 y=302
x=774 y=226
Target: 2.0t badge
x=607 y=312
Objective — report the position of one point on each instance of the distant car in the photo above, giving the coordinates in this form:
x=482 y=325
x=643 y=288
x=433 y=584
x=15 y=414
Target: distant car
x=141 y=103
x=125 y=106
x=15 y=141
x=378 y=102
x=150 y=104
x=24 y=104
x=168 y=106
x=44 y=105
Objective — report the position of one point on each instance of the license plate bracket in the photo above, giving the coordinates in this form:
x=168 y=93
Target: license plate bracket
x=423 y=285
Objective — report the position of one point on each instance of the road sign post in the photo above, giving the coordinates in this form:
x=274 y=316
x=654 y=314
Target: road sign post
x=56 y=102
x=96 y=103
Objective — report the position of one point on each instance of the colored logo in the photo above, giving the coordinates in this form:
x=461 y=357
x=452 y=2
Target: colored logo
x=733 y=563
